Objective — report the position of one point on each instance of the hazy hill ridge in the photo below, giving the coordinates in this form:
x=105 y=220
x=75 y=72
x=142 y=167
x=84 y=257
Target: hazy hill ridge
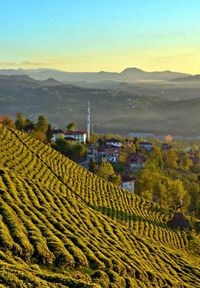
x=129 y=75
x=55 y=213
x=159 y=109
x=193 y=78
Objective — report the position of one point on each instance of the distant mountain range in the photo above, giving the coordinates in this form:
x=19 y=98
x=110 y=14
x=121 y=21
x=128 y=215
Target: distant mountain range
x=193 y=78
x=159 y=109
x=128 y=75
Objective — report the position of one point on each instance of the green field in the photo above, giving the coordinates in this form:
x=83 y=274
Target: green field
x=62 y=226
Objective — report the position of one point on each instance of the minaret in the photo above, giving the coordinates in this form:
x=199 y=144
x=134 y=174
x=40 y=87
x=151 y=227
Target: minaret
x=88 y=122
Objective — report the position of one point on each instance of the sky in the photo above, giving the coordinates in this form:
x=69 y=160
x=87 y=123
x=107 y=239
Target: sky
x=100 y=35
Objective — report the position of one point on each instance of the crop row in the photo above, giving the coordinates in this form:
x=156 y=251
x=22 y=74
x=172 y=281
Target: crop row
x=63 y=231
x=45 y=216
x=43 y=163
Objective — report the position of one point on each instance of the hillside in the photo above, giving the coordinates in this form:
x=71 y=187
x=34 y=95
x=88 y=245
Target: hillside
x=124 y=110
x=62 y=226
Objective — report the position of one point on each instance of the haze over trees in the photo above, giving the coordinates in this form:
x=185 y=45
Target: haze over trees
x=121 y=109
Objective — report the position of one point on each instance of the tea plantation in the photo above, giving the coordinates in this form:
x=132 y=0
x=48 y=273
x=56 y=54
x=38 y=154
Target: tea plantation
x=62 y=226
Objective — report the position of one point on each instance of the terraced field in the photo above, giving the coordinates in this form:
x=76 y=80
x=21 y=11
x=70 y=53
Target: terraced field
x=62 y=226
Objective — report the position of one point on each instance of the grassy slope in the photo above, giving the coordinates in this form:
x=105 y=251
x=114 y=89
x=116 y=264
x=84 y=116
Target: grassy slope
x=52 y=212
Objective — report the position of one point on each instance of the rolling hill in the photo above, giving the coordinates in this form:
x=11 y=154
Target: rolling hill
x=160 y=110
x=193 y=78
x=62 y=226
x=129 y=74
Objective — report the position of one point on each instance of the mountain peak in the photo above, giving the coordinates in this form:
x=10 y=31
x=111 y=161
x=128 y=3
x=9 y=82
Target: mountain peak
x=132 y=70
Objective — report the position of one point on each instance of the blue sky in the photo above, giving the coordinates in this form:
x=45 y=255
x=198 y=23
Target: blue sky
x=97 y=35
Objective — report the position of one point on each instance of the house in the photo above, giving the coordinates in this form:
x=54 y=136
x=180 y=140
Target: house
x=56 y=134
x=136 y=161
x=92 y=151
x=81 y=136
x=166 y=147
x=147 y=146
x=111 y=154
x=71 y=140
x=128 y=183
x=113 y=142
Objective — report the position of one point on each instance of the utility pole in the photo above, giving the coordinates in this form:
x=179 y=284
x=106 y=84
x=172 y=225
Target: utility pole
x=88 y=122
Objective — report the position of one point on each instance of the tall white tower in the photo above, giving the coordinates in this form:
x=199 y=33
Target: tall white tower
x=88 y=122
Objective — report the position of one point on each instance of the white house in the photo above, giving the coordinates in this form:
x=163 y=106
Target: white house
x=81 y=136
x=113 y=142
x=57 y=133
x=128 y=183
x=146 y=146
x=111 y=154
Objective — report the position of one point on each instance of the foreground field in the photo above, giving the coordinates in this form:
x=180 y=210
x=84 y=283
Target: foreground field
x=62 y=226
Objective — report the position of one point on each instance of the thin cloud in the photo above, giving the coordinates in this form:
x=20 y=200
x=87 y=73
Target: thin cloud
x=27 y=63
x=3 y=63
x=32 y=63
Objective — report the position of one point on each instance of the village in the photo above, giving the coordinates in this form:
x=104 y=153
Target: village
x=127 y=156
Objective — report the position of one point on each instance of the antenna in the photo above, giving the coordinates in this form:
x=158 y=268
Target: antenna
x=88 y=122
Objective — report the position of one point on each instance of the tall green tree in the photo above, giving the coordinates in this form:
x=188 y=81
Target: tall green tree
x=176 y=195
x=71 y=126
x=157 y=156
x=79 y=151
x=20 y=121
x=92 y=166
x=170 y=159
x=63 y=146
x=42 y=124
x=194 y=192
x=149 y=178
x=185 y=162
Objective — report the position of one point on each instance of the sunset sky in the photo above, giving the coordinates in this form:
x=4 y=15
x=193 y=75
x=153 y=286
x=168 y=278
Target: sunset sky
x=83 y=35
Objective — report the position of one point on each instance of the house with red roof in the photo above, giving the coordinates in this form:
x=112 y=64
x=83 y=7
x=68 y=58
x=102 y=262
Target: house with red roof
x=80 y=136
x=136 y=160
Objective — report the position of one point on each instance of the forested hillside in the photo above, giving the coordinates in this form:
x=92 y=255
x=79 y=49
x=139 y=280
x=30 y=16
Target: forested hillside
x=159 y=110
x=62 y=226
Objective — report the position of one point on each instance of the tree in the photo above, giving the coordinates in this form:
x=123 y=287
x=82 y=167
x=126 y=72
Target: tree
x=29 y=125
x=116 y=179
x=176 y=194
x=39 y=135
x=149 y=178
x=63 y=146
x=42 y=124
x=147 y=194
x=185 y=162
x=7 y=121
x=105 y=170
x=92 y=166
x=49 y=133
x=194 y=192
x=20 y=121
x=79 y=151
x=71 y=126
x=157 y=156
x=123 y=155
x=170 y=159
